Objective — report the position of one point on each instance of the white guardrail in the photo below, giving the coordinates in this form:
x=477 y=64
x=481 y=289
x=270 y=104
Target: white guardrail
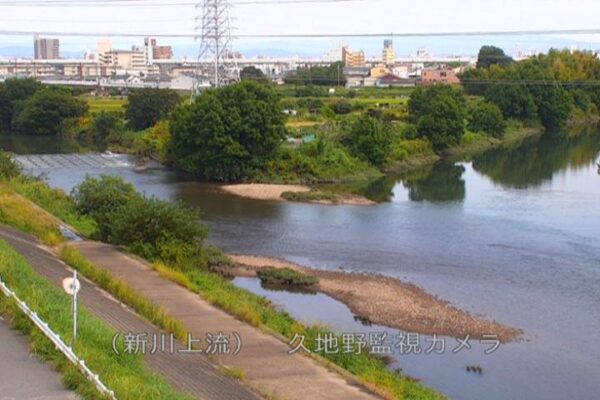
x=60 y=345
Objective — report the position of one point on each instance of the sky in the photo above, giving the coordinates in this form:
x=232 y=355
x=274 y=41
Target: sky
x=356 y=16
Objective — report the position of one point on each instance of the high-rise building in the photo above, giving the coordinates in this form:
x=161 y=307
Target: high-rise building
x=46 y=49
x=389 y=53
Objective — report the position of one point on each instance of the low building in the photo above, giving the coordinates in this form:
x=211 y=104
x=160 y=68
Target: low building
x=379 y=71
x=391 y=80
x=440 y=76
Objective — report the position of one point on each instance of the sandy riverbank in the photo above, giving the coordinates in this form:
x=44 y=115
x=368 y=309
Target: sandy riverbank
x=260 y=191
x=390 y=302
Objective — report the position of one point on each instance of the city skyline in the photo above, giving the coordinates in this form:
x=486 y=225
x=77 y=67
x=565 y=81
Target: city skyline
x=274 y=19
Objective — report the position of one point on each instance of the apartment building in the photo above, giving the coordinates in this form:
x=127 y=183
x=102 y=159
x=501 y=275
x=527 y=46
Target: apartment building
x=46 y=49
x=352 y=59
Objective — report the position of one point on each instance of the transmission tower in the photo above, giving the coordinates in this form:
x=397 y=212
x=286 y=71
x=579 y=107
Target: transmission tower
x=216 y=60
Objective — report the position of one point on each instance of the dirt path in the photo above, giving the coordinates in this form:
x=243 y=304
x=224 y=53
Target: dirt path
x=390 y=302
x=191 y=373
x=263 y=358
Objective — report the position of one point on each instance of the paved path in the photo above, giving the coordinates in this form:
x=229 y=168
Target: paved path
x=22 y=376
x=192 y=373
x=263 y=357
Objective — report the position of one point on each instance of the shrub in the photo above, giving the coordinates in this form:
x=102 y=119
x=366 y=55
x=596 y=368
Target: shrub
x=487 y=117
x=100 y=197
x=149 y=227
x=9 y=168
x=285 y=276
x=371 y=140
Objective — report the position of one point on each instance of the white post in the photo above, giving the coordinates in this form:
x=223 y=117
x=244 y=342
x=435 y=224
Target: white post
x=74 y=310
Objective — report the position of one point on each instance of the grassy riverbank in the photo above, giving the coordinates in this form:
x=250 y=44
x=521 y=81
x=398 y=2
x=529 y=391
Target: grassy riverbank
x=370 y=370
x=125 y=373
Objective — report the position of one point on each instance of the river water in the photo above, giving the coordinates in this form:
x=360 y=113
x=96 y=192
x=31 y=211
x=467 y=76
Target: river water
x=513 y=235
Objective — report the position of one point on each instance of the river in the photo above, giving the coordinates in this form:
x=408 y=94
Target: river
x=513 y=235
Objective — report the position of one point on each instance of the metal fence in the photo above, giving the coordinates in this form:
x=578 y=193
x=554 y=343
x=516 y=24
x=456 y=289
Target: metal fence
x=60 y=345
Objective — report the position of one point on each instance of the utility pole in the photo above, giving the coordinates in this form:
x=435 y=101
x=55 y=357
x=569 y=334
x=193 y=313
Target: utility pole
x=213 y=28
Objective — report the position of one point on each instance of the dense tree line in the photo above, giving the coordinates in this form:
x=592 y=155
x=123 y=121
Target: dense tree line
x=546 y=87
x=26 y=107
x=332 y=75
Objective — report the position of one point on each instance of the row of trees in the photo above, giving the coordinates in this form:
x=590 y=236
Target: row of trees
x=28 y=108
x=546 y=87
x=441 y=115
x=332 y=75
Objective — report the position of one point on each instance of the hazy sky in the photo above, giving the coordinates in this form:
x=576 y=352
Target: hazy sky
x=362 y=16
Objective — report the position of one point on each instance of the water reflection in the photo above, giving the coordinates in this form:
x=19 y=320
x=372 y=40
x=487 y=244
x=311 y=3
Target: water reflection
x=442 y=183
x=537 y=160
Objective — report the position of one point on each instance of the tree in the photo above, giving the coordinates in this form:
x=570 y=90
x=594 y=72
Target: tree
x=515 y=101
x=99 y=197
x=12 y=94
x=332 y=75
x=554 y=106
x=444 y=125
x=106 y=125
x=491 y=55
x=487 y=117
x=252 y=73
x=371 y=140
x=46 y=112
x=420 y=102
x=228 y=133
x=146 y=107
x=439 y=113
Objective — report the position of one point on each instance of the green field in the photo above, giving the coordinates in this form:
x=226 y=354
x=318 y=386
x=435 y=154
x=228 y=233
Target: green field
x=98 y=104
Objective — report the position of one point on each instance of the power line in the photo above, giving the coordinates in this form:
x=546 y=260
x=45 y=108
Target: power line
x=316 y=35
x=140 y=3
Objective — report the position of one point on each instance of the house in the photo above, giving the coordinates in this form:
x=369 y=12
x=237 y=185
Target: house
x=391 y=80
x=440 y=76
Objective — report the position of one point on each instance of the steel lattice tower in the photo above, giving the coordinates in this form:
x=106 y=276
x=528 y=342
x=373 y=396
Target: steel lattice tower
x=216 y=60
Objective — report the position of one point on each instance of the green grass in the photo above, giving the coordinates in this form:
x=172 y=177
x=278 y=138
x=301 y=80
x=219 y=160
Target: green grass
x=311 y=196
x=19 y=213
x=244 y=305
x=286 y=277
x=55 y=201
x=122 y=291
x=256 y=310
x=98 y=104
x=124 y=373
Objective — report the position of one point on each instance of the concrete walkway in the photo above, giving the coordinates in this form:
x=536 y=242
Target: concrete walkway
x=190 y=373
x=263 y=357
x=22 y=376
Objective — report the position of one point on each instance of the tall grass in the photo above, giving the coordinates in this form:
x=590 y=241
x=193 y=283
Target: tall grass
x=258 y=311
x=123 y=292
x=124 y=373
x=17 y=212
x=55 y=201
